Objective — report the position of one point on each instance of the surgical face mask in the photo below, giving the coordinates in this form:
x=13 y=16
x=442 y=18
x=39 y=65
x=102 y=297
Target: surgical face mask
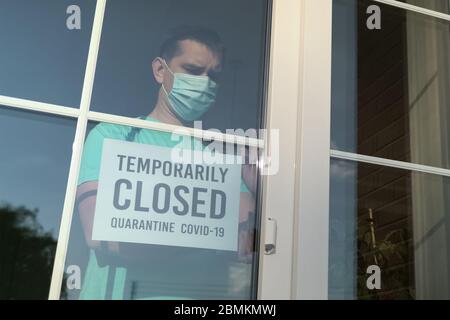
x=191 y=96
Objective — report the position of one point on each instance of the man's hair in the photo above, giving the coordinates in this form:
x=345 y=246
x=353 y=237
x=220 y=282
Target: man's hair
x=171 y=46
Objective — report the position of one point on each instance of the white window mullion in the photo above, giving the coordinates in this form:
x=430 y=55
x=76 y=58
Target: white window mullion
x=414 y=8
x=355 y=157
x=69 y=202
x=180 y=130
x=22 y=104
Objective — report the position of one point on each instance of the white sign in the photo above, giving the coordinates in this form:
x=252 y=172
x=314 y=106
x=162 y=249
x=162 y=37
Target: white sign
x=145 y=197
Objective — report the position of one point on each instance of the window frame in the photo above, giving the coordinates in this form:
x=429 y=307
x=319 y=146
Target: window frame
x=413 y=167
x=308 y=262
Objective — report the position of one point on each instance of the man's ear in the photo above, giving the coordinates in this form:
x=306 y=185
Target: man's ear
x=158 y=70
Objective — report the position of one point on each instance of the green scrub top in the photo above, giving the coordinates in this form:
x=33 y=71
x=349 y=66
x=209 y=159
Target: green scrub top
x=160 y=279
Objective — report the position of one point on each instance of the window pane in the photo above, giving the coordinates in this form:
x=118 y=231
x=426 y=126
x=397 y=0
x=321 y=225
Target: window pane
x=34 y=164
x=395 y=219
x=41 y=59
x=151 y=224
x=390 y=94
x=133 y=35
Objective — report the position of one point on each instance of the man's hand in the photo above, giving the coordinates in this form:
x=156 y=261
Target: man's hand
x=246 y=238
x=250 y=169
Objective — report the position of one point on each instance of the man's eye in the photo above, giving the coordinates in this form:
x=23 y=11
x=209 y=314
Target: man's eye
x=214 y=76
x=193 y=71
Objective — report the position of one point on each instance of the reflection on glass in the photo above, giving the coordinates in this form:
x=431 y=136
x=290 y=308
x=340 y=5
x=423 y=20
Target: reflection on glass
x=34 y=165
x=125 y=84
x=41 y=59
x=390 y=86
x=121 y=170
x=29 y=251
x=392 y=218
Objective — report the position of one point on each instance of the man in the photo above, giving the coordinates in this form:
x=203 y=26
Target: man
x=186 y=70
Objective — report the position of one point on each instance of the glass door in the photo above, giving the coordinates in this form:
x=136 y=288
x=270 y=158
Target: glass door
x=174 y=149
x=163 y=197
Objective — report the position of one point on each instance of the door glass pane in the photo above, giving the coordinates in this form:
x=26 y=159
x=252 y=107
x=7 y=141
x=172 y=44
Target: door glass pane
x=128 y=79
x=34 y=164
x=394 y=219
x=42 y=57
x=152 y=224
x=390 y=94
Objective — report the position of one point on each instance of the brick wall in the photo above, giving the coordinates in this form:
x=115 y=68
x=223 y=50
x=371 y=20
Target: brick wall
x=383 y=131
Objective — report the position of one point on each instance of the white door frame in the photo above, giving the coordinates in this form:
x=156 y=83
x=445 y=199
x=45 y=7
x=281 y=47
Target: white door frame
x=298 y=196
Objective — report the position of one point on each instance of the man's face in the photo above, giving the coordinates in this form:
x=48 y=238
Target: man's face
x=195 y=59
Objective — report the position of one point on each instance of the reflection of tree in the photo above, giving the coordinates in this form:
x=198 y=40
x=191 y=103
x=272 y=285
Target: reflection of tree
x=393 y=255
x=26 y=255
